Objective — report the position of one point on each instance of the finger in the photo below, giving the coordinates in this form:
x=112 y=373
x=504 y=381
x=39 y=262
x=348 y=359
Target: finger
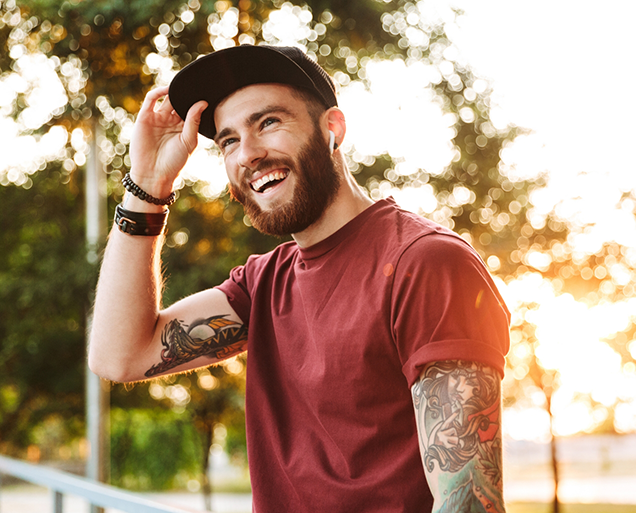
x=164 y=105
x=152 y=96
x=191 y=126
x=450 y=420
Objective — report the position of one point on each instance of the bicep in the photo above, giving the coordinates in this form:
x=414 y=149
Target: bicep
x=458 y=415
x=196 y=331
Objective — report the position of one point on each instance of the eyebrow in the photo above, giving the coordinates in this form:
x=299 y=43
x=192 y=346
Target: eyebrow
x=253 y=118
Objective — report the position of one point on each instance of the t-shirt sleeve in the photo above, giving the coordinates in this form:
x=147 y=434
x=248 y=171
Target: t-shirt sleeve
x=445 y=306
x=236 y=288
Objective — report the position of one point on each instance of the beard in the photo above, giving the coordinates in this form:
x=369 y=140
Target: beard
x=317 y=182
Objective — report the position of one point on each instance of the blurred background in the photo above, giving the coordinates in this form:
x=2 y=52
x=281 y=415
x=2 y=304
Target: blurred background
x=511 y=123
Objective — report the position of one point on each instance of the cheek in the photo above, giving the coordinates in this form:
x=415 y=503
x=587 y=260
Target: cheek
x=285 y=142
x=231 y=170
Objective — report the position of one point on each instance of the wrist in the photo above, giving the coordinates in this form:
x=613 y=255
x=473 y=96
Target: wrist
x=135 y=190
x=140 y=223
x=132 y=202
x=153 y=185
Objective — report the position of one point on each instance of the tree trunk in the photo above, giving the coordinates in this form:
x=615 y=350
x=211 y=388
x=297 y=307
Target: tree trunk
x=205 y=476
x=555 y=472
x=556 y=506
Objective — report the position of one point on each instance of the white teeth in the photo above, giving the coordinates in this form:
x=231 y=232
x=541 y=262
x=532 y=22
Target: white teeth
x=257 y=185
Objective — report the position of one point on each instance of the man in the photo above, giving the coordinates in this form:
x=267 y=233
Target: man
x=372 y=326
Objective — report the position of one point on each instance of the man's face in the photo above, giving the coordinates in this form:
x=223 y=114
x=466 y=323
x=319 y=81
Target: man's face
x=276 y=157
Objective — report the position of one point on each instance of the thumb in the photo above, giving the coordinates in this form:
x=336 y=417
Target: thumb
x=191 y=125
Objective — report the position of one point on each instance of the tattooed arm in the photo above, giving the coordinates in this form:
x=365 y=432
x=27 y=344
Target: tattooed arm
x=132 y=338
x=457 y=408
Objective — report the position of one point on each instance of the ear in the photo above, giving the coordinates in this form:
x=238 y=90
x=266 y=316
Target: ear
x=335 y=123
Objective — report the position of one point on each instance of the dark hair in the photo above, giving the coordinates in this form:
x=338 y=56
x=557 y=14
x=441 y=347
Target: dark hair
x=315 y=106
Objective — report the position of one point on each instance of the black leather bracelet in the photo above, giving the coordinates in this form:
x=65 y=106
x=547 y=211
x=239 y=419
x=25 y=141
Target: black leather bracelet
x=140 y=223
x=133 y=188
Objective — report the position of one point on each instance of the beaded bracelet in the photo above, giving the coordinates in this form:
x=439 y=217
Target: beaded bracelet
x=140 y=223
x=133 y=188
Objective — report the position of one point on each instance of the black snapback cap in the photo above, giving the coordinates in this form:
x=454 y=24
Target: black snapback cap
x=217 y=75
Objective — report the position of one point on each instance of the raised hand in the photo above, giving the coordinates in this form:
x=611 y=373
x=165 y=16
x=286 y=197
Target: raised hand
x=162 y=142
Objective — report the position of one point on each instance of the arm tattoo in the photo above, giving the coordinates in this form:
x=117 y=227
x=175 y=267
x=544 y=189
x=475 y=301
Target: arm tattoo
x=457 y=405
x=216 y=336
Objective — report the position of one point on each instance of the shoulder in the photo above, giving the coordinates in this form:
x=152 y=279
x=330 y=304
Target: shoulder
x=412 y=236
x=281 y=252
x=441 y=248
x=387 y=221
x=258 y=271
x=443 y=262
x=436 y=258
x=259 y=265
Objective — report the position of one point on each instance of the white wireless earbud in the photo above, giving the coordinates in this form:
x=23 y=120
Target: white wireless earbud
x=332 y=142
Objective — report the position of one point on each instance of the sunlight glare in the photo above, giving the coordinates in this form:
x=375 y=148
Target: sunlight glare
x=526 y=424
x=419 y=200
x=571 y=338
x=573 y=418
x=405 y=122
x=288 y=25
x=205 y=169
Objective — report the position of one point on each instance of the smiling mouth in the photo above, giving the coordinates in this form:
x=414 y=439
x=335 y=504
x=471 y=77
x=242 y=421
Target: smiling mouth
x=268 y=181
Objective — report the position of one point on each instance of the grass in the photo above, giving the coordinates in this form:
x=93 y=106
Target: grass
x=536 y=507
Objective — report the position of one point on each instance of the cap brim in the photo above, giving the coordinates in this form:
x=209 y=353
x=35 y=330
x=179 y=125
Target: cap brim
x=217 y=75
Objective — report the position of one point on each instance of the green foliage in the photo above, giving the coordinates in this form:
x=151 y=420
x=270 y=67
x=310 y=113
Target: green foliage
x=217 y=240
x=153 y=449
x=132 y=12
x=44 y=286
x=207 y=399
x=58 y=437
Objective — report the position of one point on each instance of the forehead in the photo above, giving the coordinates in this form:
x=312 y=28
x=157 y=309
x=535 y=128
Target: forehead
x=252 y=98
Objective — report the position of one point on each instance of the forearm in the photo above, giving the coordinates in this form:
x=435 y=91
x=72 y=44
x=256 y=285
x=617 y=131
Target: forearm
x=129 y=335
x=127 y=301
x=478 y=482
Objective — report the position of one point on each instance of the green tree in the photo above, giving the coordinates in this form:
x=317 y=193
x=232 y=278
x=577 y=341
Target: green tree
x=44 y=283
x=153 y=449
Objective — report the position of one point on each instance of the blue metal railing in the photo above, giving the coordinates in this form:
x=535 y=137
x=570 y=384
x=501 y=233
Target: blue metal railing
x=97 y=494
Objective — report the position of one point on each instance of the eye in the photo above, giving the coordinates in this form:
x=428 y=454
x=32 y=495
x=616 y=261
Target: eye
x=227 y=142
x=268 y=122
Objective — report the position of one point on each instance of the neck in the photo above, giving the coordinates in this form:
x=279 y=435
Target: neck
x=350 y=201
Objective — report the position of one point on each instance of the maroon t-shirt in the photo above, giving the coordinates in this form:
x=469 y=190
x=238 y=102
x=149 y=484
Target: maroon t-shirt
x=338 y=334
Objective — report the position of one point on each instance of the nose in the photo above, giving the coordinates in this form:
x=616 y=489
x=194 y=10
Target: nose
x=251 y=152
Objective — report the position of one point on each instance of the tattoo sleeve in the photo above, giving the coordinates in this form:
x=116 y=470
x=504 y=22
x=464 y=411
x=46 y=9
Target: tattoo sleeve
x=215 y=337
x=457 y=408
